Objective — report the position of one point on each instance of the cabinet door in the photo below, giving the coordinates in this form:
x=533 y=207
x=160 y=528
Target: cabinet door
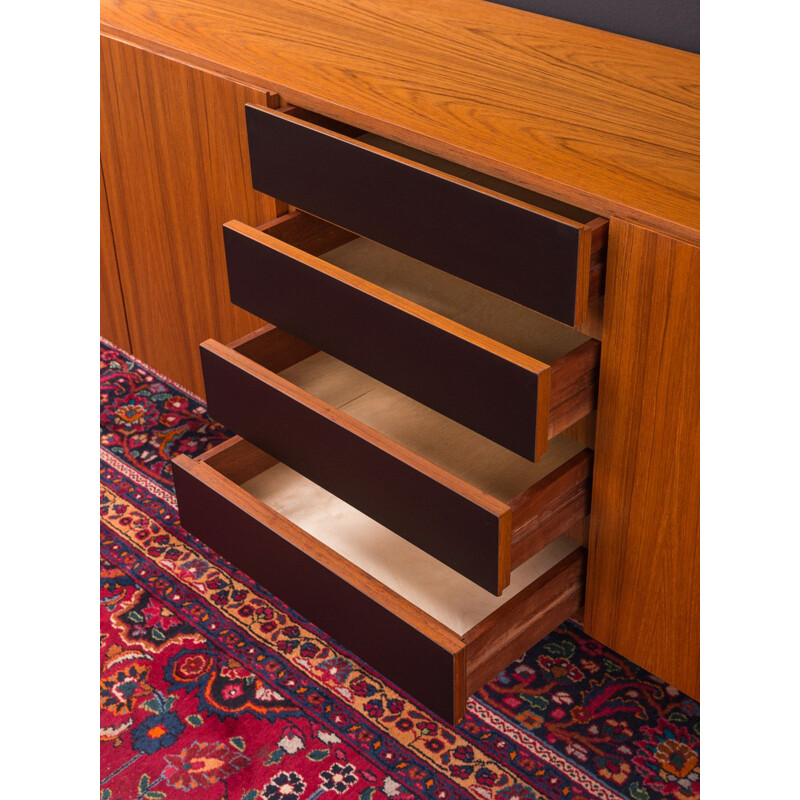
x=175 y=162
x=643 y=584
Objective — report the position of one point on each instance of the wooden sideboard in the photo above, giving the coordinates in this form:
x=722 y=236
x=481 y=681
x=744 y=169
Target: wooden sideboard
x=602 y=122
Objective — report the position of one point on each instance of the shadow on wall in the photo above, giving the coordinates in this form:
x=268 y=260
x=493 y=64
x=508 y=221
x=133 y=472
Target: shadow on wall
x=675 y=23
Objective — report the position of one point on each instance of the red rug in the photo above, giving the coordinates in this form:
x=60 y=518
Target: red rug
x=212 y=688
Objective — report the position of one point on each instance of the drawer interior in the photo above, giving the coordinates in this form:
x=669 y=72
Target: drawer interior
x=515 y=376
x=528 y=503
x=430 y=585
x=519 y=338
x=478 y=309
x=451 y=446
x=462 y=498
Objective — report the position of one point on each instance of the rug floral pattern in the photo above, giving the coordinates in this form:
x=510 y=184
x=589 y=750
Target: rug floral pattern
x=210 y=687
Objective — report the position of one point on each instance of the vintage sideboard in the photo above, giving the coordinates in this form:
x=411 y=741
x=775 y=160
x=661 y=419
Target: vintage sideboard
x=530 y=160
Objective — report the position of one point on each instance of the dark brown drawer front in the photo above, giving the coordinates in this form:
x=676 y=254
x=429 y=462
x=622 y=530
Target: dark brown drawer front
x=426 y=668
x=536 y=258
x=495 y=391
x=465 y=529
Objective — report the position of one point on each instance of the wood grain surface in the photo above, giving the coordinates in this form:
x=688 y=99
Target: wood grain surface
x=273 y=348
x=237 y=460
x=551 y=507
x=113 y=322
x=174 y=153
x=643 y=579
x=608 y=123
x=573 y=386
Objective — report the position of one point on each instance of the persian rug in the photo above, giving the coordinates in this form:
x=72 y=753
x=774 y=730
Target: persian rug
x=212 y=688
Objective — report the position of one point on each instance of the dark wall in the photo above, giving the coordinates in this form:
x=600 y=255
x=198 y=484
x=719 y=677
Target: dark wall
x=675 y=23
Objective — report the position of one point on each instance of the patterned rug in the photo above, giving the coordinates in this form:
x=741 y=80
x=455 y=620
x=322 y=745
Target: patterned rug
x=212 y=688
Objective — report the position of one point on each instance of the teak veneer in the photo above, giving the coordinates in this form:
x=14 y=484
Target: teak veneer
x=175 y=168
x=113 y=322
x=648 y=452
x=604 y=122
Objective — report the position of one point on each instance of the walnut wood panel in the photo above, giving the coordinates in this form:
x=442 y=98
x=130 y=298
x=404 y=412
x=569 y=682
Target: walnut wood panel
x=606 y=122
x=404 y=643
x=643 y=581
x=113 y=321
x=175 y=162
x=529 y=255
x=470 y=378
x=443 y=515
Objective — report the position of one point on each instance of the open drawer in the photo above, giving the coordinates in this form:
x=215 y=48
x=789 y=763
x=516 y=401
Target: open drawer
x=425 y=627
x=470 y=503
x=542 y=253
x=499 y=368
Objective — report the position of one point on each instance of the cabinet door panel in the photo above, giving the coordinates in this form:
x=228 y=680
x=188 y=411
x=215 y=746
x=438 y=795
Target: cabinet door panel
x=643 y=585
x=174 y=150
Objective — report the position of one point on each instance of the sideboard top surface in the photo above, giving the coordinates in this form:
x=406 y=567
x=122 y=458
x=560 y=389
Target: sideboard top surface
x=596 y=119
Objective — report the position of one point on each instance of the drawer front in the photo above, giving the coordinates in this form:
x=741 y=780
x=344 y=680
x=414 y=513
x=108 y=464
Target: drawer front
x=424 y=660
x=454 y=522
x=486 y=386
x=537 y=258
